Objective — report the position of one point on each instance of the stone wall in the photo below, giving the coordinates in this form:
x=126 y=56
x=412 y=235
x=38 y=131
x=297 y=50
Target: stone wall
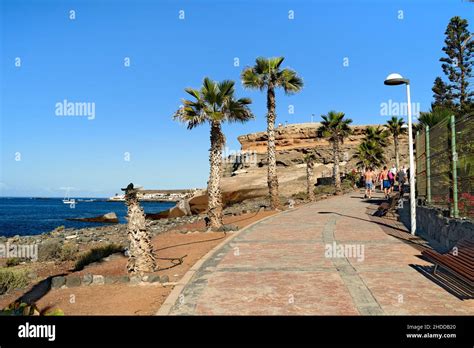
x=445 y=231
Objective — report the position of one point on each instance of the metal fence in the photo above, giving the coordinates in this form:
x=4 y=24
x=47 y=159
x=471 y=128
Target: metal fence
x=445 y=166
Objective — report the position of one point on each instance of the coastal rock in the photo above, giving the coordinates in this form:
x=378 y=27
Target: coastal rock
x=108 y=218
x=198 y=203
x=182 y=208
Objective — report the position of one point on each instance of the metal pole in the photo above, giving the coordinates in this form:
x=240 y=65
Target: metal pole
x=412 y=166
x=455 y=171
x=428 y=164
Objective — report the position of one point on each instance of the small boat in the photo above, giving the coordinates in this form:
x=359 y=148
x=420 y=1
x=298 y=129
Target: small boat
x=68 y=200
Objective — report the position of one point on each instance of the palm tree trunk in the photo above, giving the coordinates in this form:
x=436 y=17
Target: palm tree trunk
x=272 y=170
x=310 y=179
x=397 y=159
x=213 y=187
x=337 y=178
x=141 y=259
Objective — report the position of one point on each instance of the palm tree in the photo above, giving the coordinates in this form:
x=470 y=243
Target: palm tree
x=433 y=117
x=309 y=160
x=141 y=259
x=395 y=127
x=266 y=74
x=377 y=134
x=370 y=151
x=214 y=103
x=335 y=128
x=370 y=154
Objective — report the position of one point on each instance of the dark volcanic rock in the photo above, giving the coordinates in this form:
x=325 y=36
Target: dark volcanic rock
x=109 y=218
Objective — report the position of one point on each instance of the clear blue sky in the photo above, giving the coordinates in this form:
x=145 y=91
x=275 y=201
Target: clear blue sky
x=82 y=60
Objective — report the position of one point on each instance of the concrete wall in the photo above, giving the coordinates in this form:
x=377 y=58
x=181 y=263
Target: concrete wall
x=444 y=231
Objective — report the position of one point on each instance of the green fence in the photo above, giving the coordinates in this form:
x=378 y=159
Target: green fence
x=445 y=166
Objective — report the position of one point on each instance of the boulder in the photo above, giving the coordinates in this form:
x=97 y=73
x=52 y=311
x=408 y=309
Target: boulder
x=108 y=218
x=198 y=203
x=182 y=208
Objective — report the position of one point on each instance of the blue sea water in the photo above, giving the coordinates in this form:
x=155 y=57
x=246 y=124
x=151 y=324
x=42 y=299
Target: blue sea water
x=26 y=216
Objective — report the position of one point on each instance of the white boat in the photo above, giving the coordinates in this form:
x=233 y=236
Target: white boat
x=68 y=200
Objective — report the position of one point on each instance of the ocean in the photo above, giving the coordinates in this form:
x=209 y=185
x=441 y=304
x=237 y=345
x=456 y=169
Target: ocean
x=27 y=216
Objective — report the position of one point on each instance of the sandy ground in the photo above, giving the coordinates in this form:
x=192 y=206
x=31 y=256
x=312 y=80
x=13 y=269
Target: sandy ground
x=140 y=299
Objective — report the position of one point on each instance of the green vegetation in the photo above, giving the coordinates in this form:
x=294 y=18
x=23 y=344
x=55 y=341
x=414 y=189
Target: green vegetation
x=370 y=151
x=12 y=279
x=96 y=254
x=14 y=261
x=24 y=309
x=455 y=95
x=433 y=117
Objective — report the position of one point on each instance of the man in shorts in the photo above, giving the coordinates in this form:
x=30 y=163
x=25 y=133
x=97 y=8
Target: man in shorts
x=369 y=182
x=385 y=181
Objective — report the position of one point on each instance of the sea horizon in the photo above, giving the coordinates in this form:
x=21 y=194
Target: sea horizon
x=36 y=215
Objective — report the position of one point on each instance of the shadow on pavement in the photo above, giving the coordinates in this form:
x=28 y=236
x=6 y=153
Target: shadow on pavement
x=446 y=281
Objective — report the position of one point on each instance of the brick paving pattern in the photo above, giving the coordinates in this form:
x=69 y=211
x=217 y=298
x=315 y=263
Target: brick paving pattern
x=279 y=266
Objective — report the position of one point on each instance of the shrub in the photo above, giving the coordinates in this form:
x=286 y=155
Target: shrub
x=18 y=308
x=14 y=261
x=12 y=279
x=96 y=254
x=300 y=195
x=68 y=252
x=54 y=250
x=49 y=251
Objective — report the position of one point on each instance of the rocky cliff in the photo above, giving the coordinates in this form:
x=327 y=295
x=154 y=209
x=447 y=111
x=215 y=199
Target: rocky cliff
x=292 y=143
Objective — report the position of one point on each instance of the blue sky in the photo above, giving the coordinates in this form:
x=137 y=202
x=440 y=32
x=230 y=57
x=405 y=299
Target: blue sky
x=82 y=60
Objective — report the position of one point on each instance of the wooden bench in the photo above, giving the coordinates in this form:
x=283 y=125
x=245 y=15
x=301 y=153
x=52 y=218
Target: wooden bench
x=388 y=208
x=459 y=261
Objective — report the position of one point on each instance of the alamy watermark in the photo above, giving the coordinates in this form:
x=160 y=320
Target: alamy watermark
x=67 y=108
x=393 y=108
x=24 y=251
x=239 y=156
x=335 y=250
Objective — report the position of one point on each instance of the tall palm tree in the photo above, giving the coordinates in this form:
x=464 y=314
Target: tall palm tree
x=395 y=127
x=309 y=160
x=267 y=74
x=214 y=103
x=335 y=128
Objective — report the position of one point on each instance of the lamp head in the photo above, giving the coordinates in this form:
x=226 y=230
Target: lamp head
x=395 y=80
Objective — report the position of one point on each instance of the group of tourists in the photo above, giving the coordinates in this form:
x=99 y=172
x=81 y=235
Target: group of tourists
x=386 y=178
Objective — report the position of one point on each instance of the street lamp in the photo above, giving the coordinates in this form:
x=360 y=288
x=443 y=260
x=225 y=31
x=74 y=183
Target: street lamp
x=395 y=80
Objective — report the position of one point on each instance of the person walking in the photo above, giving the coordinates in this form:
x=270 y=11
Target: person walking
x=385 y=181
x=369 y=182
x=401 y=178
x=392 y=175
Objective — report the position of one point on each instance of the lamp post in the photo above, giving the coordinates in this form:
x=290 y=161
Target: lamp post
x=395 y=80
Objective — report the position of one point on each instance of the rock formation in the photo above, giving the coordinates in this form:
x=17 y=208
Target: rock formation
x=293 y=142
x=108 y=218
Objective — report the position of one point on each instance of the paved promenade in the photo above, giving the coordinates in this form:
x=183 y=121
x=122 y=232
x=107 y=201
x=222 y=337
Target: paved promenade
x=325 y=258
